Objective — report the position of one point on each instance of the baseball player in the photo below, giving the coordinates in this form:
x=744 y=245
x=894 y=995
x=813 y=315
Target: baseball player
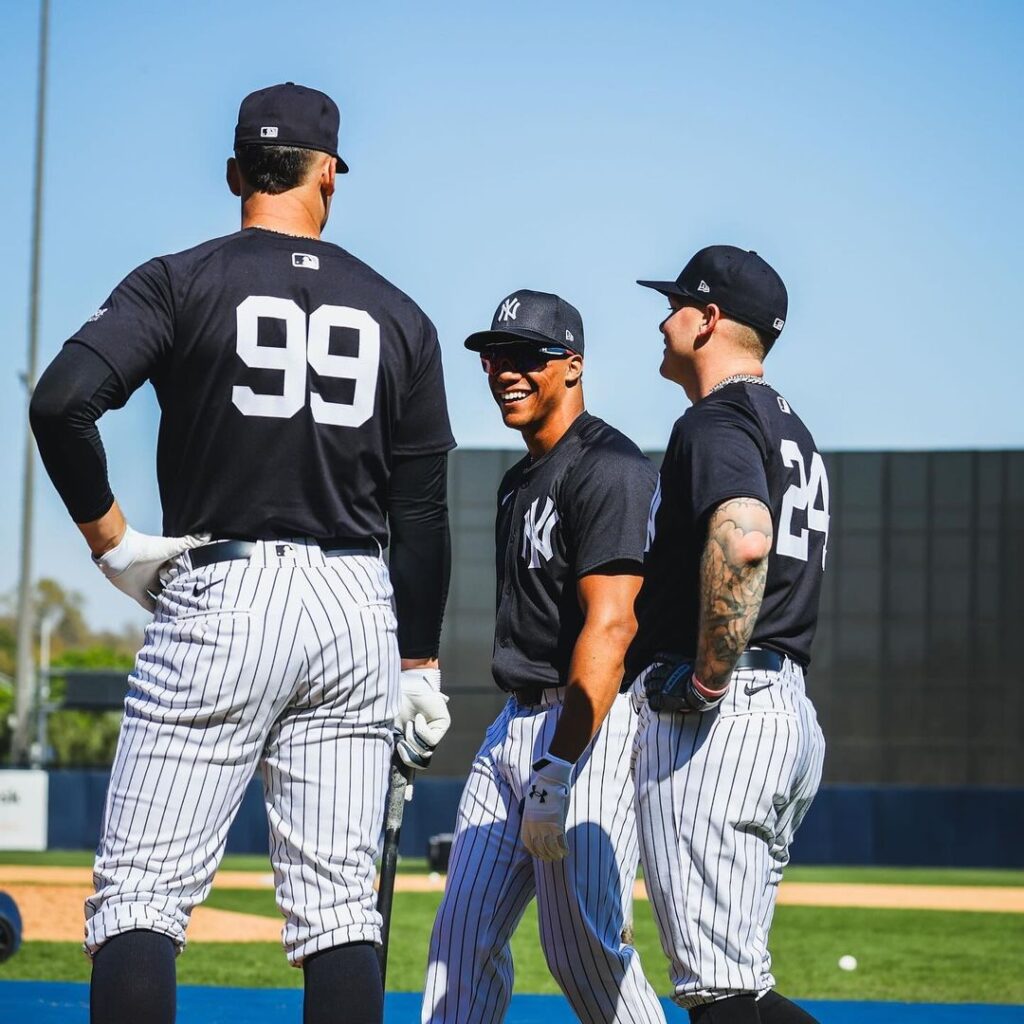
x=547 y=810
x=729 y=750
x=303 y=413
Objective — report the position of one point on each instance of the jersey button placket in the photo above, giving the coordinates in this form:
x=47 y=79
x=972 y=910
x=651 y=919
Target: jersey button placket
x=505 y=611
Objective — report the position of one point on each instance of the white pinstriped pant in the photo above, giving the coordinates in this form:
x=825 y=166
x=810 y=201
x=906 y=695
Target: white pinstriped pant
x=719 y=797
x=287 y=661
x=584 y=902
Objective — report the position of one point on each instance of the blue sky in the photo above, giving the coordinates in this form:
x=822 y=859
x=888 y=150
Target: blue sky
x=872 y=153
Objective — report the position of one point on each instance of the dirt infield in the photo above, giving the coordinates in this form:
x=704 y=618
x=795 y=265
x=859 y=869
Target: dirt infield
x=51 y=899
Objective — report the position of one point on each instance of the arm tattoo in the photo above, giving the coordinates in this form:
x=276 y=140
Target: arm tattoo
x=733 y=570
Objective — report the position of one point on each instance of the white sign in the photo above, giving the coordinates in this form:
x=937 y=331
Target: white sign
x=24 y=798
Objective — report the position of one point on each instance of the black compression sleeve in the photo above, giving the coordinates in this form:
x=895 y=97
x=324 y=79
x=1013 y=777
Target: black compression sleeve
x=421 y=558
x=75 y=390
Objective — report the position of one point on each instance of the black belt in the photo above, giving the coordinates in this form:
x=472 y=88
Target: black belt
x=531 y=696
x=761 y=660
x=228 y=550
x=756 y=658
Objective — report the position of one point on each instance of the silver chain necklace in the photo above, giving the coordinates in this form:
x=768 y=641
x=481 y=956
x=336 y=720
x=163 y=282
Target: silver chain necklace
x=739 y=378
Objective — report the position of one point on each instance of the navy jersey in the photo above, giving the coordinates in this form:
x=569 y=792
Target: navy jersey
x=741 y=441
x=289 y=374
x=581 y=506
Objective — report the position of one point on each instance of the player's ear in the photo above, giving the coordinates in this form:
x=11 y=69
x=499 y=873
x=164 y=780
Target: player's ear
x=573 y=369
x=233 y=176
x=328 y=170
x=709 y=321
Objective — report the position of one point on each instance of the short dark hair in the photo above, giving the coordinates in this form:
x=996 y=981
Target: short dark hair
x=274 y=169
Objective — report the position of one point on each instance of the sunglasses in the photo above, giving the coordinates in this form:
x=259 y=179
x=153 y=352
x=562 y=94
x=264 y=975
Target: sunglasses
x=520 y=358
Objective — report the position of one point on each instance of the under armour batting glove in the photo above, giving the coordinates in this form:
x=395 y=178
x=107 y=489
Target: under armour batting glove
x=546 y=807
x=422 y=718
x=133 y=566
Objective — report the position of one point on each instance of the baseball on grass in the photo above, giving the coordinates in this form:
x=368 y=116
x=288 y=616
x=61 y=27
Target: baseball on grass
x=847 y=963
x=434 y=876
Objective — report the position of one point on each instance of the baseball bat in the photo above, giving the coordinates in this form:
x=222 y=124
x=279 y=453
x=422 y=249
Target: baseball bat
x=401 y=777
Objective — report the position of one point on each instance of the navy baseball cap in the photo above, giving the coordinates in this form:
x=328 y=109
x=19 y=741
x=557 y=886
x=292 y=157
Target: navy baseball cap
x=540 y=317
x=738 y=281
x=290 y=115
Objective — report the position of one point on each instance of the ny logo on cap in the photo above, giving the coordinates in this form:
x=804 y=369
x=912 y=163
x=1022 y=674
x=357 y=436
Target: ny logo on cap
x=509 y=308
x=304 y=259
x=269 y=132
x=703 y=287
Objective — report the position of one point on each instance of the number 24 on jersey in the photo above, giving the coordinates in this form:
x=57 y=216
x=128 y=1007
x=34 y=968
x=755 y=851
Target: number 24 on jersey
x=810 y=495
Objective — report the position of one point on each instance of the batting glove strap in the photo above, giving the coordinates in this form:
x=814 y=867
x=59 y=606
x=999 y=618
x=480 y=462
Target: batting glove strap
x=422 y=718
x=546 y=807
x=672 y=686
x=701 y=697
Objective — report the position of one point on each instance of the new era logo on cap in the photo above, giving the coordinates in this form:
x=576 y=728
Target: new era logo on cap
x=304 y=259
x=268 y=132
x=703 y=287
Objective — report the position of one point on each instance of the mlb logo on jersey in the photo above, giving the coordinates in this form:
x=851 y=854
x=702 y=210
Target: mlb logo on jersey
x=270 y=132
x=304 y=259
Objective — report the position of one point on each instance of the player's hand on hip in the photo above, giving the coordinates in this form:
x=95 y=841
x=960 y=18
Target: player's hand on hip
x=134 y=564
x=422 y=718
x=545 y=809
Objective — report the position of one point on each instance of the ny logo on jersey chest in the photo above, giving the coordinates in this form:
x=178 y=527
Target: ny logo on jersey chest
x=538 y=525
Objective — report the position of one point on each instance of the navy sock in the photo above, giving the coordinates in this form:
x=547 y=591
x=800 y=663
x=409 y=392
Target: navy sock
x=733 y=1010
x=776 y=1009
x=133 y=980
x=343 y=985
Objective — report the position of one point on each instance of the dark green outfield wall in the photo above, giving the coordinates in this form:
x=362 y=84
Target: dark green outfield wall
x=918 y=672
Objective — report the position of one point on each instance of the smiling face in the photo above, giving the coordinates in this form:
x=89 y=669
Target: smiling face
x=532 y=386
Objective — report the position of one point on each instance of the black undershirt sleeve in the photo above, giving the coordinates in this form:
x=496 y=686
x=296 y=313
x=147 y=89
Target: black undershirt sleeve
x=75 y=390
x=420 y=550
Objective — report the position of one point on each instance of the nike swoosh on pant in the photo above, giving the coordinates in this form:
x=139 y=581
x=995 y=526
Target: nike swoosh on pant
x=198 y=591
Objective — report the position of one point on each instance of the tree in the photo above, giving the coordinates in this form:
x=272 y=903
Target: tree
x=77 y=737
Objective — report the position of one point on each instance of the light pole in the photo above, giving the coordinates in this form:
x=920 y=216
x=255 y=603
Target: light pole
x=40 y=749
x=24 y=681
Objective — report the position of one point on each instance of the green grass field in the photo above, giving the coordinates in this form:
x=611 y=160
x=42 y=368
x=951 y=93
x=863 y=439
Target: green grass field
x=919 y=956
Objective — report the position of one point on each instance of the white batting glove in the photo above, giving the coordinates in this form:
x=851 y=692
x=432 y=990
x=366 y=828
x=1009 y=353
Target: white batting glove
x=546 y=807
x=422 y=718
x=134 y=565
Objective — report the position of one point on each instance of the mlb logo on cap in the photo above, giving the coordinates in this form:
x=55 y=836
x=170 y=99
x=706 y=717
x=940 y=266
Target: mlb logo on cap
x=290 y=115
